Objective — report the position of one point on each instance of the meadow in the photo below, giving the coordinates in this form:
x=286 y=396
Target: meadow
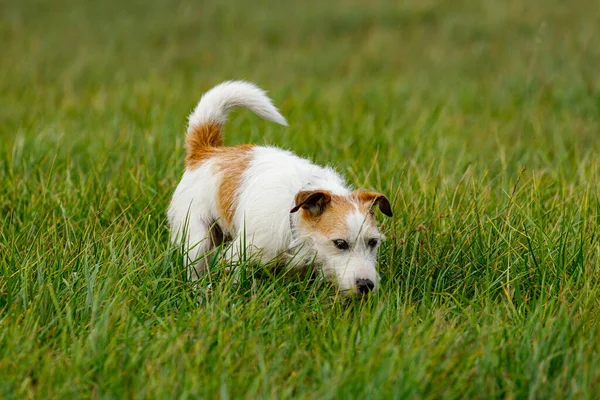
x=479 y=120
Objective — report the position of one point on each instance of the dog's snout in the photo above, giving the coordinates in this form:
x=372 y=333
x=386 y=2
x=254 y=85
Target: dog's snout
x=364 y=285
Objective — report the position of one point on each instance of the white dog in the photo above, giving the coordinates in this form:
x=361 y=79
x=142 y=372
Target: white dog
x=267 y=203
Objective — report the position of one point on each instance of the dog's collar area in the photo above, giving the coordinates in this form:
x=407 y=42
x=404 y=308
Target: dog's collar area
x=294 y=240
x=292 y=227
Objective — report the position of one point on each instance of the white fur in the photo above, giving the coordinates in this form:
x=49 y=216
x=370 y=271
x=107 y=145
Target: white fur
x=261 y=225
x=267 y=193
x=191 y=214
x=215 y=104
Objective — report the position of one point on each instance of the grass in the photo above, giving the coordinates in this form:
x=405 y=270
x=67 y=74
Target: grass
x=479 y=119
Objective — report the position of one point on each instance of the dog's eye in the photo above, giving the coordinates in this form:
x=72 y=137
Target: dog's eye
x=372 y=243
x=341 y=244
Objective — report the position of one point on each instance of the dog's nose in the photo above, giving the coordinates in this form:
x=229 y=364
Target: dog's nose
x=364 y=285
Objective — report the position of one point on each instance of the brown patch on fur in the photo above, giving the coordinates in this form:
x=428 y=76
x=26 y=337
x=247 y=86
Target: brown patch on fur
x=232 y=162
x=369 y=199
x=312 y=201
x=333 y=219
x=201 y=142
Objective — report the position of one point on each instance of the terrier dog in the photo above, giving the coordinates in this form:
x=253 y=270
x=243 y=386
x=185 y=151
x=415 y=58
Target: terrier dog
x=269 y=204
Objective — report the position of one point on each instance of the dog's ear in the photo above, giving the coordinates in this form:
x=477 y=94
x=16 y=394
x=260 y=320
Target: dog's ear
x=313 y=201
x=374 y=198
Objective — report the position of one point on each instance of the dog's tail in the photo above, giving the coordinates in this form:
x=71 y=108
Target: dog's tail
x=207 y=119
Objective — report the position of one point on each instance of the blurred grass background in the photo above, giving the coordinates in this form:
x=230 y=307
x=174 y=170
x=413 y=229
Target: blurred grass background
x=479 y=119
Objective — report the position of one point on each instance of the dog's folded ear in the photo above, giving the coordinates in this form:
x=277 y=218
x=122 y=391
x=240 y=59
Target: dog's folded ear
x=313 y=201
x=374 y=198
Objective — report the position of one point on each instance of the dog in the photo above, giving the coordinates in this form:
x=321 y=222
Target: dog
x=269 y=204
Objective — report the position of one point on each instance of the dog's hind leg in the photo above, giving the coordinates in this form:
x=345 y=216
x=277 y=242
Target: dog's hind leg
x=202 y=237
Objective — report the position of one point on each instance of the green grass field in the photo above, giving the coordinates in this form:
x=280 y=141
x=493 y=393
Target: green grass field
x=480 y=120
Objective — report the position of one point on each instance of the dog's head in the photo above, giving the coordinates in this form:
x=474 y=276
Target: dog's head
x=341 y=232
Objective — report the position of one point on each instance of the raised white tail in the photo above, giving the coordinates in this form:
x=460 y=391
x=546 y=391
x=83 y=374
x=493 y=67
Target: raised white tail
x=216 y=103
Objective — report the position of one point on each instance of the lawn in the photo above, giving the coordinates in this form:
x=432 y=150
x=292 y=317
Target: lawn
x=479 y=119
